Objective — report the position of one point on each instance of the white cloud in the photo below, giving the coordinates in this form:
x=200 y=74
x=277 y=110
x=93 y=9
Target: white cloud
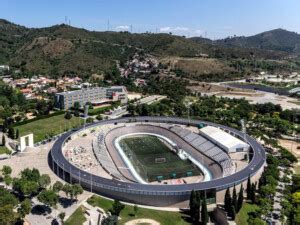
x=199 y=32
x=182 y=31
x=122 y=27
x=165 y=29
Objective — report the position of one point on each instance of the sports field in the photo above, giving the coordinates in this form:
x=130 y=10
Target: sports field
x=154 y=160
x=48 y=127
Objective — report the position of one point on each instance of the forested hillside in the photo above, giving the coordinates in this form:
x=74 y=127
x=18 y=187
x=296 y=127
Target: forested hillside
x=62 y=49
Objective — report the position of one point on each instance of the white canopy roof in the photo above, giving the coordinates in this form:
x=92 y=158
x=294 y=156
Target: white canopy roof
x=223 y=138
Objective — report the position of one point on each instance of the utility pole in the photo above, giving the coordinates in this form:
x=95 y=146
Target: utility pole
x=79 y=178
x=86 y=111
x=64 y=171
x=245 y=134
x=91 y=182
x=70 y=176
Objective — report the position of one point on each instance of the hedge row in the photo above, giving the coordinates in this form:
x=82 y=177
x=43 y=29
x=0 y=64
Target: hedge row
x=97 y=111
x=38 y=118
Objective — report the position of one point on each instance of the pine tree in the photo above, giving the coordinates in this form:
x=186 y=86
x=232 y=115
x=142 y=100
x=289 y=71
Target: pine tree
x=253 y=191
x=240 y=199
x=197 y=211
x=3 y=140
x=227 y=201
x=232 y=212
x=192 y=201
x=194 y=206
x=234 y=198
x=248 y=188
x=17 y=133
x=204 y=213
x=11 y=132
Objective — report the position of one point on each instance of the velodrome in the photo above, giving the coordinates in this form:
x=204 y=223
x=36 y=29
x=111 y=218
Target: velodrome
x=154 y=194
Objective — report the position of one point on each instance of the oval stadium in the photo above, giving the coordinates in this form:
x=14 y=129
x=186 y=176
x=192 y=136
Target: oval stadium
x=157 y=161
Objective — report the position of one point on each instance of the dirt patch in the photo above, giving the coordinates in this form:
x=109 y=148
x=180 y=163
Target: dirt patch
x=241 y=94
x=142 y=221
x=291 y=146
x=197 y=66
x=57 y=47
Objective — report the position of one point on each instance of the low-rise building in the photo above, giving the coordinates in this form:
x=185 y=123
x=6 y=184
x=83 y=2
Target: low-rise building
x=223 y=139
x=4 y=67
x=66 y=100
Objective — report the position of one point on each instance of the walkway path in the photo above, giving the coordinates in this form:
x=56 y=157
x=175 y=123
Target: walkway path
x=142 y=221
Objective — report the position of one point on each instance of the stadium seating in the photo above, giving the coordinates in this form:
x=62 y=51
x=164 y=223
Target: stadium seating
x=206 y=147
x=103 y=156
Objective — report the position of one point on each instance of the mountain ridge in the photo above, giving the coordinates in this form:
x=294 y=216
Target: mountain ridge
x=277 y=40
x=63 y=49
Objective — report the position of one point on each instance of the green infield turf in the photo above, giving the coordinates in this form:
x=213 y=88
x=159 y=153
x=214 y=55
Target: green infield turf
x=154 y=160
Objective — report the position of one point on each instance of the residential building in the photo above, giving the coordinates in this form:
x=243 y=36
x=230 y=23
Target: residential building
x=94 y=95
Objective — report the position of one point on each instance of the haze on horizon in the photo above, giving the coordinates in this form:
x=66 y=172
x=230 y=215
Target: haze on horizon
x=209 y=18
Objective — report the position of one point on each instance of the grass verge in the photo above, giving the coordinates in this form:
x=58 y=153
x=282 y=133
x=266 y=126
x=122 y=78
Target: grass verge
x=77 y=218
x=163 y=217
x=242 y=216
x=4 y=150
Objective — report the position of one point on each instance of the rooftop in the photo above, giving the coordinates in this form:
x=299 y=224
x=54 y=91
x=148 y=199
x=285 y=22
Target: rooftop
x=223 y=137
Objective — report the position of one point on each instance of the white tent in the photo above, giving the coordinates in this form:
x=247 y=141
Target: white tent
x=223 y=139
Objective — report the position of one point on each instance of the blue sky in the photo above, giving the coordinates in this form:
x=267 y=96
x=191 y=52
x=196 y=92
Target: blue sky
x=210 y=18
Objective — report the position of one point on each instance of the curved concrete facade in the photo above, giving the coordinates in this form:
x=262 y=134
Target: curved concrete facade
x=154 y=195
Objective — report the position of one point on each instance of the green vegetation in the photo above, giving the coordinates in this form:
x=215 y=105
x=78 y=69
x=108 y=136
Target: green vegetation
x=46 y=128
x=63 y=49
x=291 y=204
x=15 y=204
x=48 y=197
x=152 y=158
x=100 y=110
x=266 y=121
x=30 y=183
x=163 y=217
x=276 y=40
x=243 y=216
x=77 y=218
x=4 y=150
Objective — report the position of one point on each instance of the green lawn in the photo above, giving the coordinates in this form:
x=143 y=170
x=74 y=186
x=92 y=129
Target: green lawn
x=77 y=218
x=163 y=217
x=51 y=126
x=4 y=150
x=242 y=216
x=100 y=110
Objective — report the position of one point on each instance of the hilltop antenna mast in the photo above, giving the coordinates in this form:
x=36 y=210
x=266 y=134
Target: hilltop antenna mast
x=131 y=28
x=108 y=26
